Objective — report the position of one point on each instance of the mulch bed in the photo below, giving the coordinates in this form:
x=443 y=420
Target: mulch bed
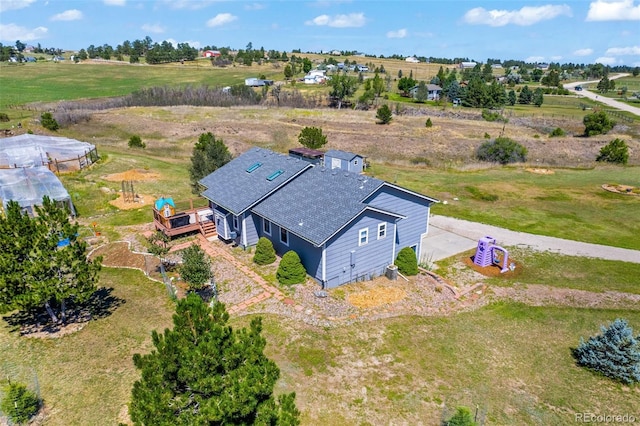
x=494 y=270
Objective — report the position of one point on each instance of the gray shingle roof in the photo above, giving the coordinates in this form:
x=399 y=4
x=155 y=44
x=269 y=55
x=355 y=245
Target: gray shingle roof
x=343 y=155
x=235 y=189
x=319 y=202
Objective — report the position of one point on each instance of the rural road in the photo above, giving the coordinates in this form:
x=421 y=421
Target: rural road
x=602 y=99
x=462 y=235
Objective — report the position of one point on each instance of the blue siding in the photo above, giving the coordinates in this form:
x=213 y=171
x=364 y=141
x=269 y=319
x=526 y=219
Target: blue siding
x=416 y=210
x=251 y=226
x=310 y=256
x=222 y=219
x=371 y=259
x=355 y=165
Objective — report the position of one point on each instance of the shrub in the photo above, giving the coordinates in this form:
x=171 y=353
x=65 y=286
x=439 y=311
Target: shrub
x=265 y=254
x=502 y=150
x=312 y=137
x=597 y=123
x=490 y=115
x=462 y=417
x=4 y=116
x=487 y=135
x=614 y=353
x=195 y=268
x=384 y=114
x=48 y=122
x=19 y=403
x=557 y=132
x=291 y=270
x=136 y=142
x=407 y=261
x=428 y=123
x=615 y=151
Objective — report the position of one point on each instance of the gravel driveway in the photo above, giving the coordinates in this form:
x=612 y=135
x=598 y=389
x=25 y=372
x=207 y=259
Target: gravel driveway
x=465 y=230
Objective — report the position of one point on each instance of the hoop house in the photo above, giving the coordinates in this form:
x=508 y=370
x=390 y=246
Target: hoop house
x=27 y=187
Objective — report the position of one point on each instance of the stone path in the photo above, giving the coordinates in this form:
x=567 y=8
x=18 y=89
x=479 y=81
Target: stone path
x=269 y=291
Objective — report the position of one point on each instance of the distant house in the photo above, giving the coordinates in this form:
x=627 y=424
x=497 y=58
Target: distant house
x=362 y=68
x=335 y=53
x=336 y=159
x=345 y=226
x=257 y=82
x=315 y=77
x=412 y=59
x=434 y=92
x=542 y=66
x=464 y=65
x=496 y=66
x=211 y=53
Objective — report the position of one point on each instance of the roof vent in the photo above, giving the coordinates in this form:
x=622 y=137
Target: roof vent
x=275 y=174
x=334 y=172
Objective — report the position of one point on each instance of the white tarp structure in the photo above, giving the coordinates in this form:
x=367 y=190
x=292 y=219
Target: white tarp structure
x=27 y=187
x=36 y=150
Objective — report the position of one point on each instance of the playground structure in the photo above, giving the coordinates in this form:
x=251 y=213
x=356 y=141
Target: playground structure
x=486 y=254
x=174 y=222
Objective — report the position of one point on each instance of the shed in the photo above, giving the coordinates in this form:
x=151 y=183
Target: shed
x=27 y=187
x=312 y=156
x=166 y=206
x=336 y=159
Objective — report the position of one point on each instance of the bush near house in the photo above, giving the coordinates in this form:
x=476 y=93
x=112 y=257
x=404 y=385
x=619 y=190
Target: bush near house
x=615 y=151
x=265 y=253
x=614 y=353
x=502 y=150
x=407 y=262
x=291 y=270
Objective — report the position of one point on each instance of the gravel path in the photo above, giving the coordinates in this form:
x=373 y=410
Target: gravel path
x=475 y=231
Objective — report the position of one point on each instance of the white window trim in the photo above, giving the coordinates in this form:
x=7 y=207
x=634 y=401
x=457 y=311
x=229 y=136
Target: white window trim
x=366 y=236
x=286 y=243
x=235 y=222
x=264 y=226
x=381 y=226
x=355 y=162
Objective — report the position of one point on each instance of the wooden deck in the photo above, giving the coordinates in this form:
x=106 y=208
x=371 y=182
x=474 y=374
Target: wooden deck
x=184 y=222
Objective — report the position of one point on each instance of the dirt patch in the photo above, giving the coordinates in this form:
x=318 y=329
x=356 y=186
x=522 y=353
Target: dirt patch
x=139 y=201
x=622 y=189
x=133 y=174
x=540 y=171
x=494 y=270
x=118 y=255
x=377 y=296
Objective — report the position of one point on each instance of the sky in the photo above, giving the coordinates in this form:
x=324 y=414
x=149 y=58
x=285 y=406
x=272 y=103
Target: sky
x=577 y=31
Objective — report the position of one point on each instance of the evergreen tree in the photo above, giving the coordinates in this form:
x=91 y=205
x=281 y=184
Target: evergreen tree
x=407 y=261
x=512 y=97
x=502 y=150
x=265 y=253
x=476 y=94
x=48 y=122
x=312 y=137
x=291 y=270
x=384 y=114
x=526 y=96
x=196 y=267
x=538 y=97
x=422 y=92
x=19 y=403
x=204 y=372
x=615 y=151
x=614 y=353
x=209 y=154
x=462 y=417
x=597 y=123
x=35 y=271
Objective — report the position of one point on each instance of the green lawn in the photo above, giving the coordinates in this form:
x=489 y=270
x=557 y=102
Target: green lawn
x=568 y=204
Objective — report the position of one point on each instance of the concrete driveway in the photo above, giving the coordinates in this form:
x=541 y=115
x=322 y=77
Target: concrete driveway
x=602 y=99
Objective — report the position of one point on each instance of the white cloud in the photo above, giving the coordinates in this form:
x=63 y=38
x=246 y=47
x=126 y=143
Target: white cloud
x=221 y=19
x=605 y=60
x=556 y=58
x=14 y=4
x=534 y=59
x=68 y=15
x=174 y=43
x=254 y=6
x=526 y=16
x=115 y=2
x=623 y=51
x=13 y=32
x=352 y=20
x=402 y=33
x=624 y=10
x=188 y=4
x=153 y=28
x=583 y=52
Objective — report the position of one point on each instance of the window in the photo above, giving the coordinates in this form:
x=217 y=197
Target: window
x=235 y=223
x=382 y=230
x=355 y=162
x=363 y=236
x=275 y=174
x=284 y=236
x=253 y=167
x=266 y=226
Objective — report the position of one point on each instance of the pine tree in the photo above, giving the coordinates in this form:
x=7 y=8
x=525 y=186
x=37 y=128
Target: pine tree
x=312 y=137
x=614 y=353
x=209 y=154
x=407 y=262
x=19 y=403
x=615 y=151
x=291 y=270
x=204 y=372
x=384 y=114
x=265 y=253
x=196 y=267
x=462 y=417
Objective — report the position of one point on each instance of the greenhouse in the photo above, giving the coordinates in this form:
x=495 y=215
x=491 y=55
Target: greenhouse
x=27 y=186
x=61 y=154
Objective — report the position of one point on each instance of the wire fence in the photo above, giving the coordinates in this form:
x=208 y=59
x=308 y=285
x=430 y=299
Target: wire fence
x=12 y=373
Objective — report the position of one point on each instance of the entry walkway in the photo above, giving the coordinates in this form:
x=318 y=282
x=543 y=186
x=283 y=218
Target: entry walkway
x=449 y=236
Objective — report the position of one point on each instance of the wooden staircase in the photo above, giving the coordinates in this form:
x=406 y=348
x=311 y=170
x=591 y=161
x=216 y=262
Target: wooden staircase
x=208 y=229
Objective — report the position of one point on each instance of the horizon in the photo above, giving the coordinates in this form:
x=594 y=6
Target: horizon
x=533 y=31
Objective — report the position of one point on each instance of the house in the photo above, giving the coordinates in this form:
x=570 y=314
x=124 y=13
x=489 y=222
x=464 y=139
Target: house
x=211 y=54
x=315 y=77
x=465 y=65
x=412 y=59
x=434 y=92
x=345 y=226
x=336 y=159
x=257 y=82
